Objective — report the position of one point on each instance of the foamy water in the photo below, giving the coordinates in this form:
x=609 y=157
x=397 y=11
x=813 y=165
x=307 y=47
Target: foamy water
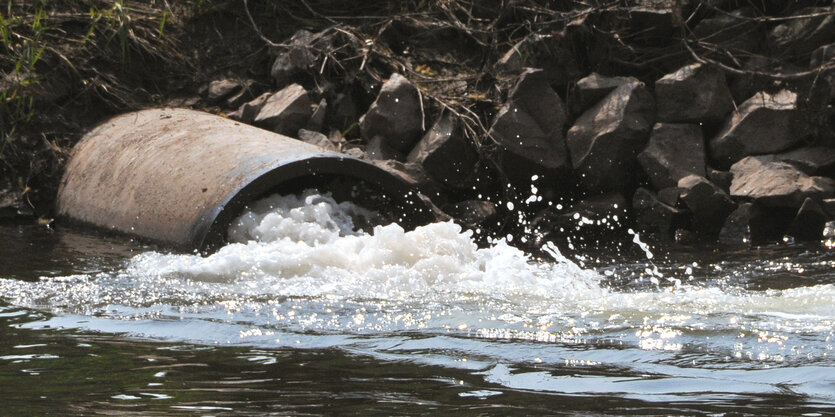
x=299 y=275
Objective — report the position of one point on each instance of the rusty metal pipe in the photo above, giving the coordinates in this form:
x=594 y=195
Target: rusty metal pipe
x=179 y=177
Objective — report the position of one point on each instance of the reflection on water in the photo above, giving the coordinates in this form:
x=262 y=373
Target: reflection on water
x=304 y=315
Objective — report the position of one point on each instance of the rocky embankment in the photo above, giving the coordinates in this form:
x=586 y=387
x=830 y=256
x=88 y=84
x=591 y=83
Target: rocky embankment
x=688 y=121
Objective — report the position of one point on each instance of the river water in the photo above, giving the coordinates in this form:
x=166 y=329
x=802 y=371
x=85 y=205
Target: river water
x=305 y=316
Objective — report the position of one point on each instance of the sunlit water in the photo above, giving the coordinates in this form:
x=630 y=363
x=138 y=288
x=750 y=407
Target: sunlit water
x=493 y=326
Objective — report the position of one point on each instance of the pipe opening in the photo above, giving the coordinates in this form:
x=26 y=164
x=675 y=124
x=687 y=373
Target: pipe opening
x=390 y=206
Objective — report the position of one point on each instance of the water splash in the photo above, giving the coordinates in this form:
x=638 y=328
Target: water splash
x=298 y=265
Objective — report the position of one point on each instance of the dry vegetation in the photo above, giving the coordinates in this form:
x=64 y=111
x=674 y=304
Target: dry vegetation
x=66 y=64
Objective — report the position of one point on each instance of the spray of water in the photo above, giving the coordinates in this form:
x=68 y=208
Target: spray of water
x=298 y=264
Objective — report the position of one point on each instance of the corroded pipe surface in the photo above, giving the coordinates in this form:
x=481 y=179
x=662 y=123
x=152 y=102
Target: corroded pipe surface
x=179 y=177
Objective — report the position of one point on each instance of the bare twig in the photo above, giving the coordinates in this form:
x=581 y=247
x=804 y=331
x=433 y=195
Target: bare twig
x=257 y=29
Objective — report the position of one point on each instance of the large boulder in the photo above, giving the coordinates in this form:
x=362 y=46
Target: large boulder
x=378 y=149
x=445 y=153
x=248 y=111
x=776 y=184
x=654 y=217
x=342 y=112
x=809 y=222
x=295 y=60
x=396 y=115
x=545 y=51
x=315 y=138
x=813 y=160
x=695 y=93
x=528 y=128
x=221 y=89
x=721 y=178
x=286 y=111
x=675 y=150
x=474 y=213
x=593 y=88
x=709 y=205
x=822 y=56
x=736 y=30
x=811 y=27
x=606 y=138
x=765 y=123
x=250 y=89
x=590 y=219
x=609 y=209
x=747 y=225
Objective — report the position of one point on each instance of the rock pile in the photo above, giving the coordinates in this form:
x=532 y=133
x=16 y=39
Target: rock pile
x=709 y=148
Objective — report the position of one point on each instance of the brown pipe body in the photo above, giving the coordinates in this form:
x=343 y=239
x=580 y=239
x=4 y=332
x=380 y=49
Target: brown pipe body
x=179 y=177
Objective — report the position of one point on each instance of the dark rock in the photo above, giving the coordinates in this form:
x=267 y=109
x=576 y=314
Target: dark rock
x=746 y=226
x=685 y=237
x=709 y=205
x=606 y=138
x=828 y=205
x=800 y=36
x=651 y=24
x=250 y=90
x=821 y=56
x=744 y=87
x=671 y=196
x=591 y=218
x=316 y=138
x=593 y=88
x=694 y=94
x=317 y=119
x=396 y=115
x=809 y=223
x=674 y=151
x=246 y=112
x=378 y=149
x=286 y=111
x=11 y=202
x=736 y=30
x=763 y=124
x=722 y=179
x=342 y=112
x=812 y=160
x=294 y=61
x=776 y=184
x=654 y=217
x=609 y=208
x=540 y=51
x=528 y=128
x=445 y=153
x=221 y=89
x=473 y=213
x=411 y=173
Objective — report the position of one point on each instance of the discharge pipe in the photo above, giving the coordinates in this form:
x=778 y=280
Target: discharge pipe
x=179 y=177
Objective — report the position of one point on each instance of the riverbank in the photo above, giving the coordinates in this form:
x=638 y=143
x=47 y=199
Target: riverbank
x=689 y=121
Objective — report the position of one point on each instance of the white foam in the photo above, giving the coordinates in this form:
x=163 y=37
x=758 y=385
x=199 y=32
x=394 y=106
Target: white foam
x=296 y=264
x=306 y=247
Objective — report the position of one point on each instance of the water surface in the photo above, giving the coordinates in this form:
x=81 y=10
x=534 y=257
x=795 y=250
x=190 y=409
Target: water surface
x=306 y=316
